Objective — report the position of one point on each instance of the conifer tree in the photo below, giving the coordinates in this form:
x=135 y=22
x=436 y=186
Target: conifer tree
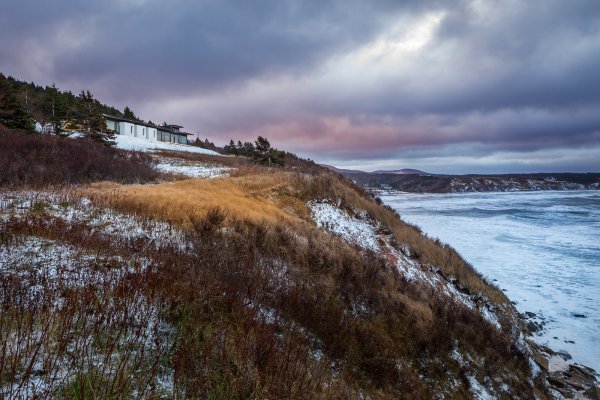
x=231 y=148
x=12 y=111
x=54 y=109
x=265 y=153
x=247 y=149
x=128 y=114
x=92 y=121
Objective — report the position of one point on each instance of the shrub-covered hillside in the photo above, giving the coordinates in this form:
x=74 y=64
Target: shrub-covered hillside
x=266 y=283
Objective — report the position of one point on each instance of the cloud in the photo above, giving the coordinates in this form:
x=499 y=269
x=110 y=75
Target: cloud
x=366 y=81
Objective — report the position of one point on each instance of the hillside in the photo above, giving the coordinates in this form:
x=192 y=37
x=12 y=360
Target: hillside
x=428 y=183
x=260 y=282
x=23 y=104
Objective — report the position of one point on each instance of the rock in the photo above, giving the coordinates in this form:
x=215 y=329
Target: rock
x=556 y=382
x=541 y=360
x=584 y=371
x=548 y=350
x=576 y=315
x=565 y=355
x=593 y=393
x=530 y=314
x=534 y=327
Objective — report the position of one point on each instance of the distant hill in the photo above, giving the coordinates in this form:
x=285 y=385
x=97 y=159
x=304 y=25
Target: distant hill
x=404 y=171
x=343 y=171
x=425 y=183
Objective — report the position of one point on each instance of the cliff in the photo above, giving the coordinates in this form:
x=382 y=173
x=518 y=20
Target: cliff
x=259 y=282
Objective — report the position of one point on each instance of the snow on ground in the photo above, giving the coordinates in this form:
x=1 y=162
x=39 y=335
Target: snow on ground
x=78 y=211
x=138 y=144
x=360 y=232
x=40 y=265
x=40 y=272
x=479 y=391
x=195 y=170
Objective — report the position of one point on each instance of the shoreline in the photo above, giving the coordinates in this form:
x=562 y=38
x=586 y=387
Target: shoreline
x=549 y=355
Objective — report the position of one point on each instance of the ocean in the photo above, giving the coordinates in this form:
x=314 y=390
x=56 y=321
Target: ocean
x=541 y=248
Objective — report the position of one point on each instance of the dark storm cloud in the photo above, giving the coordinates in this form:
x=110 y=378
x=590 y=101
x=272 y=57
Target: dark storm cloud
x=384 y=80
x=156 y=46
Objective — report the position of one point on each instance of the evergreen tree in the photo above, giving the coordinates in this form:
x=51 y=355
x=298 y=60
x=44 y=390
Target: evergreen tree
x=54 y=109
x=247 y=149
x=12 y=111
x=231 y=148
x=92 y=121
x=128 y=114
x=208 y=144
x=265 y=154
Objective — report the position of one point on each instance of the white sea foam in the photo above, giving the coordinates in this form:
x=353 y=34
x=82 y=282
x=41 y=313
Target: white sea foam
x=542 y=248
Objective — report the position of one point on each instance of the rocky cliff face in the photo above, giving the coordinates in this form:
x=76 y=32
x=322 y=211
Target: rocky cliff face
x=476 y=183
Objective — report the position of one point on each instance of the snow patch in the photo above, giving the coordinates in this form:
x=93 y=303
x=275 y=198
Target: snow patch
x=132 y=143
x=201 y=171
x=357 y=231
x=479 y=391
x=105 y=221
x=556 y=364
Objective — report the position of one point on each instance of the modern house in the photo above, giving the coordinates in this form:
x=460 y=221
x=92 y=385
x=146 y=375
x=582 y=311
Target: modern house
x=142 y=130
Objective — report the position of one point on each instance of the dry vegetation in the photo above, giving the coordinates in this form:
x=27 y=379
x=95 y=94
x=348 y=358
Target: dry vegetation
x=33 y=160
x=249 y=300
x=259 y=194
x=228 y=161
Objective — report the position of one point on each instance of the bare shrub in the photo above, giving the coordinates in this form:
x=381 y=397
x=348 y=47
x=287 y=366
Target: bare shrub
x=42 y=161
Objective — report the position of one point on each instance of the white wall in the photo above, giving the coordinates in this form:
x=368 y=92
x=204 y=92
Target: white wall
x=134 y=130
x=152 y=134
x=127 y=128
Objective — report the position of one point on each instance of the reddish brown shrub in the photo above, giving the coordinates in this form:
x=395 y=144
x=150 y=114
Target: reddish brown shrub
x=40 y=161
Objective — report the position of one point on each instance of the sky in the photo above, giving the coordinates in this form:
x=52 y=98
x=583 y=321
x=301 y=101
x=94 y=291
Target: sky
x=461 y=86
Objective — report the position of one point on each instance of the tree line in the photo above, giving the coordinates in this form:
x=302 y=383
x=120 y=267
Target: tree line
x=260 y=151
x=59 y=112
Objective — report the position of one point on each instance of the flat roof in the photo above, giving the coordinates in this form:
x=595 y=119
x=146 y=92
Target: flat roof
x=128 y=120
x=159 y=127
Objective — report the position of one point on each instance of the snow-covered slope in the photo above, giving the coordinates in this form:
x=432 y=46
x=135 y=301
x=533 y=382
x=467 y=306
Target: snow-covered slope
x=192 y=170
x=357 y=228
x=358 y=231
x=132 y=143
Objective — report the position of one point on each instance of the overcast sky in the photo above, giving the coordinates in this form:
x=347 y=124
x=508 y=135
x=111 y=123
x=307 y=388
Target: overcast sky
x=443 y=86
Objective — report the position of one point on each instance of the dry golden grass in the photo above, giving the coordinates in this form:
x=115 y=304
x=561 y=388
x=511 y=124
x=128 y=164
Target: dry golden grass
x=265 y=195
x=244 y=198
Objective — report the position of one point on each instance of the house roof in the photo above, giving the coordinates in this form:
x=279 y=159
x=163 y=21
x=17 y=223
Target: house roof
x=166 y=128
x=121 y=119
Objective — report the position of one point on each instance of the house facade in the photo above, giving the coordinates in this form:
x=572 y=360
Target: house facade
x=153 y=133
